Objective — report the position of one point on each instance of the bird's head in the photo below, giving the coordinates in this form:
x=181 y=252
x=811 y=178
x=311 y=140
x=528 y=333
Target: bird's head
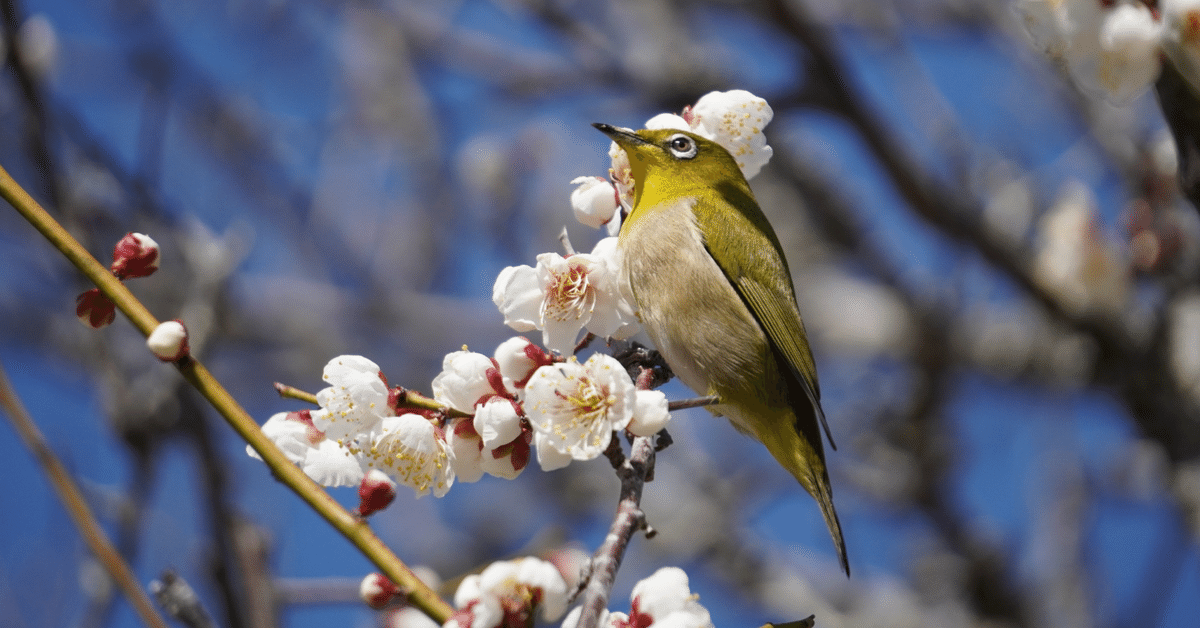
x=674 y=161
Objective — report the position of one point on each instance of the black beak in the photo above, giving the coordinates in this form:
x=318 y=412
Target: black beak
x=618 y=133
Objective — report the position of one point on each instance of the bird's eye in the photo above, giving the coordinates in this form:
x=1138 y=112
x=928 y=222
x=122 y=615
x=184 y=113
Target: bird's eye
x=682 y=146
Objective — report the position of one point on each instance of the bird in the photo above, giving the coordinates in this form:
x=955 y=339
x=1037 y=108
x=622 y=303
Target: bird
x=712 y=289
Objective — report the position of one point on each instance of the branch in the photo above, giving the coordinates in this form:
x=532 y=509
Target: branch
x=353 y=528
x=629 y=519
x=72 y=498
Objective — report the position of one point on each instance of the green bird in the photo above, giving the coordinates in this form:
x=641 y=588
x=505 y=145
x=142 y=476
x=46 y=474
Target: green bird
x=713 y=291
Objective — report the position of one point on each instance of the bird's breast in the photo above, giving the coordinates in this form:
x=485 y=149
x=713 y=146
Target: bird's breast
x=689 y=309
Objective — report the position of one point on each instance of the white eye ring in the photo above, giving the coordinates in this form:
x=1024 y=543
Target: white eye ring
x=682 y=146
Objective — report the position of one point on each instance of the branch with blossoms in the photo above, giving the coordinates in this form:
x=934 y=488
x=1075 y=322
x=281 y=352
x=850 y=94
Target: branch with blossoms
x=487 y=414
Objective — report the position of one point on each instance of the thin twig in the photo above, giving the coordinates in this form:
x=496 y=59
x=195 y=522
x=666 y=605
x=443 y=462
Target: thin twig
x=291 y=392
x=694 y=402
x=353 y=528
x=628 y=520
x=93 y=534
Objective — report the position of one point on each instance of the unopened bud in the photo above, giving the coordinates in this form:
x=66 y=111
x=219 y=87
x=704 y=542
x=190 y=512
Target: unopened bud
x=375 y=493
x=95 y=309
x=169 y=341
x=377 y=591
x=136 y=255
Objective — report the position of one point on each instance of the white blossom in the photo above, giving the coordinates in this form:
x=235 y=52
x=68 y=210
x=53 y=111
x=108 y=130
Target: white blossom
x=664 y=600
x=415 y=453
x=578 y=406
x=594 y=201
x=467 y=448
x=1086 y=271
x=169 y=341
x=1129 y=43
x=322 y=459
x=564 y=295
x=463 y=380
x=1181 y=26
x=518 y=588
x=356 y=400
x=517 y=358
x=735 y=120
x=549 y=458
x=650 y=413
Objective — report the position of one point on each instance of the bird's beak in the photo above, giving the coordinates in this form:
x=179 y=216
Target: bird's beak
x=620 y=134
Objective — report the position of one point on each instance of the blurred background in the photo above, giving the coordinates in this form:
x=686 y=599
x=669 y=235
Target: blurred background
x=996 y=268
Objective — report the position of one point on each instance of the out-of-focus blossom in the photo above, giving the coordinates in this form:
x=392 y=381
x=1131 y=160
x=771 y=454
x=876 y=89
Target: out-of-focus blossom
x=510 y=593
x=322 y=459
x=95 y=309
x=1076 y=262
x=135 y=255
x=564 y=295
x=169 y=341
x=376 y=590
x=414 y=452
x=664 y=600
x=1181 y=37
x=355 y=401
x=576 y=407
x=1112 y=51
x=375 y=493
x=594 y=201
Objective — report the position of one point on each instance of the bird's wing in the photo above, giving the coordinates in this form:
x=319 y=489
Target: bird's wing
x=785 y=331
x=753 y=262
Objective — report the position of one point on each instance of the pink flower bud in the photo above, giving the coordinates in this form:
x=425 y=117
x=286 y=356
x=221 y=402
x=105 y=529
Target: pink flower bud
x=377 y=591
x=136 y=255
x=168 y=342
x=375 y=493
x=95 y=309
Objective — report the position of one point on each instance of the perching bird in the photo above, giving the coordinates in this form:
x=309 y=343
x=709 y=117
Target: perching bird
x=714 y=293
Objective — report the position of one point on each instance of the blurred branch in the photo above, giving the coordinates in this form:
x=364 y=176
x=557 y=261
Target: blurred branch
x=1181 y=108
x=37 y=127
x=353 y=528
x=178 y=598
x=72 y=498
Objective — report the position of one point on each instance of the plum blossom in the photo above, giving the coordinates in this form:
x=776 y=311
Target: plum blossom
x=564 y=295
x=1181 y=37
x=576 y=407
x=1110 y=50
x=650 y=413
x=414 y=452
x=664 y=599
x=517 y=358
x=595 y=201
x=322 y=459
x=1086 y=271
x=356 y=400
x=510 y=593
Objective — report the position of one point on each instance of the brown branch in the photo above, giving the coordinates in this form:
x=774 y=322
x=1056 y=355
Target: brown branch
x=629 y=519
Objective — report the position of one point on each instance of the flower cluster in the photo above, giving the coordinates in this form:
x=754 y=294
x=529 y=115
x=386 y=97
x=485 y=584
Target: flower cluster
x=664 y=599
x=494 y=411
x=733 y=119
x=1114 y=49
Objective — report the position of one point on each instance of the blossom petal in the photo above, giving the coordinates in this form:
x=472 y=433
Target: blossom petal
x=519 y=295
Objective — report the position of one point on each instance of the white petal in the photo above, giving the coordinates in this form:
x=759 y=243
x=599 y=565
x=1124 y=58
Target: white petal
x=330 y=464
x=516 y=359
x=355 y=401
x=468 y=452
x=549 y=458
x=594 y=201
x=409 y=449
x=519 y=296
x=650 y=414
x=497 y=422
x=668 y=121
x=463 y=380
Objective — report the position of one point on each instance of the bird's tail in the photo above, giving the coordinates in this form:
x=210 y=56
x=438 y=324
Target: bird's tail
x=797 y=447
